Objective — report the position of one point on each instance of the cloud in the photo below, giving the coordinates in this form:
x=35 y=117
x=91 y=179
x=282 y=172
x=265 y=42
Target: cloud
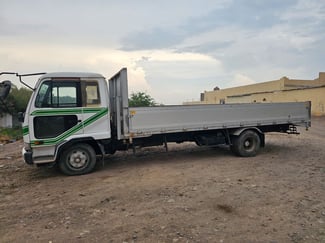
x=241 y=79
x=243 y=14
x=167 y=75
x=167 y=36
x=153 y=39
x=175 y=77
x=257 y=38
x=55 y=58
x=306 y=10
x=97 y=22
x=269 y=51
x=173 y=50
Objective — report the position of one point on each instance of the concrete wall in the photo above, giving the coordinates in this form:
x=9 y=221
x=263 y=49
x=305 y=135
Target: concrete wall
x=282 y=90
x=315 y=95
x=218 y=95
x=6 y=120
x=9 y=121
x=297 y=83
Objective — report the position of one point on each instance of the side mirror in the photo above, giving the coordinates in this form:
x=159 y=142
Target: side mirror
x=5 y=87
x=21 y=116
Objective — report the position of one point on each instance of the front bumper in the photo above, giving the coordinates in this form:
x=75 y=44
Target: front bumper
x=28 y=156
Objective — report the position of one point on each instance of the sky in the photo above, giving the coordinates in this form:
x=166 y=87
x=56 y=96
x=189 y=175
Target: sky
x=174 y=50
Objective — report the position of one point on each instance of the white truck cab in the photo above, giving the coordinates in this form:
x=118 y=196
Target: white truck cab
x=64 y=106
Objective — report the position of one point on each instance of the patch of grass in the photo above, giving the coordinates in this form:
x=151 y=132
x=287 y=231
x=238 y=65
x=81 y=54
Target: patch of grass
x=11 y=133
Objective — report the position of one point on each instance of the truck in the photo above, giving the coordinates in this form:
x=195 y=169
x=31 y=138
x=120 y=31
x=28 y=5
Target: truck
x=73 y=119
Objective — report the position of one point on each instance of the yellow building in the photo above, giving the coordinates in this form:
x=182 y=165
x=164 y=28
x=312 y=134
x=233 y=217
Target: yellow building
x=282 y=90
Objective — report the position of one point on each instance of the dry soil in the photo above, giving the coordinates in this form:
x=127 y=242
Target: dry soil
x=189 y=194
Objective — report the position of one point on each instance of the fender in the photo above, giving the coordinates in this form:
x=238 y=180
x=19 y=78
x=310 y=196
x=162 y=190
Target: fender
x=89 y=140
x=238 y=131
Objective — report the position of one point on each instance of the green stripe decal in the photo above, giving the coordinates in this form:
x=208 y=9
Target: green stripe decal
x=102 y=112
x=49 y=112
x=25 y=130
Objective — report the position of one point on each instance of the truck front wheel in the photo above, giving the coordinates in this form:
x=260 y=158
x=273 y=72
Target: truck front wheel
x=78 y=159
x=246 y=144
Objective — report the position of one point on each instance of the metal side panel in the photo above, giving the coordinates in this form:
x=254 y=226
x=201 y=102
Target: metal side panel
x=154 y=120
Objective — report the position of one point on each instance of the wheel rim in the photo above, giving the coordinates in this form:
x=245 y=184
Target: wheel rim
x=78 y=159
x=249 y=144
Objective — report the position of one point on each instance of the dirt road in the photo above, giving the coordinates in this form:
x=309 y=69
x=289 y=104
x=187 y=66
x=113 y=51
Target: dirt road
x=190 y=194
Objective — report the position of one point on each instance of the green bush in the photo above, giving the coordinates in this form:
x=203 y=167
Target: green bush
x=11 y=133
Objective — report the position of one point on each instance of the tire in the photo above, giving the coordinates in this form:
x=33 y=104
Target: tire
x=247 y=144
x=78 y=159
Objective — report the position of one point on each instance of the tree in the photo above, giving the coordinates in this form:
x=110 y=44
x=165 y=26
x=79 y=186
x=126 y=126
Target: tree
x=16 y=101
x=140 y=99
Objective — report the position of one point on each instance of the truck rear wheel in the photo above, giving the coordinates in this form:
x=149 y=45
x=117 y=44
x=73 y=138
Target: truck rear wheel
x=78 y=159
x=247 y=144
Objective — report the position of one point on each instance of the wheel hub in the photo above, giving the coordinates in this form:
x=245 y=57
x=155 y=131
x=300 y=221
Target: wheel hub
x=247 y=143
x=78 y=159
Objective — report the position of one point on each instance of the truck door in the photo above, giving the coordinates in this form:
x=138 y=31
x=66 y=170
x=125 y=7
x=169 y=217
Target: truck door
x=57 y=112
x=95 y=112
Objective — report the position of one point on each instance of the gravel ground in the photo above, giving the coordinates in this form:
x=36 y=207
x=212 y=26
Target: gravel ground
x=190 y=194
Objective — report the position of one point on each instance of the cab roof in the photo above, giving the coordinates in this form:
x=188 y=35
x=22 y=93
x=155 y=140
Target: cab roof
x=72 y=75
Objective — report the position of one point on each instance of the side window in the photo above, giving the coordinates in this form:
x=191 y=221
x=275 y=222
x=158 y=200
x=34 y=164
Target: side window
x=58 y=94
x=90 y=91
x=64 y=95
x=52 y=126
